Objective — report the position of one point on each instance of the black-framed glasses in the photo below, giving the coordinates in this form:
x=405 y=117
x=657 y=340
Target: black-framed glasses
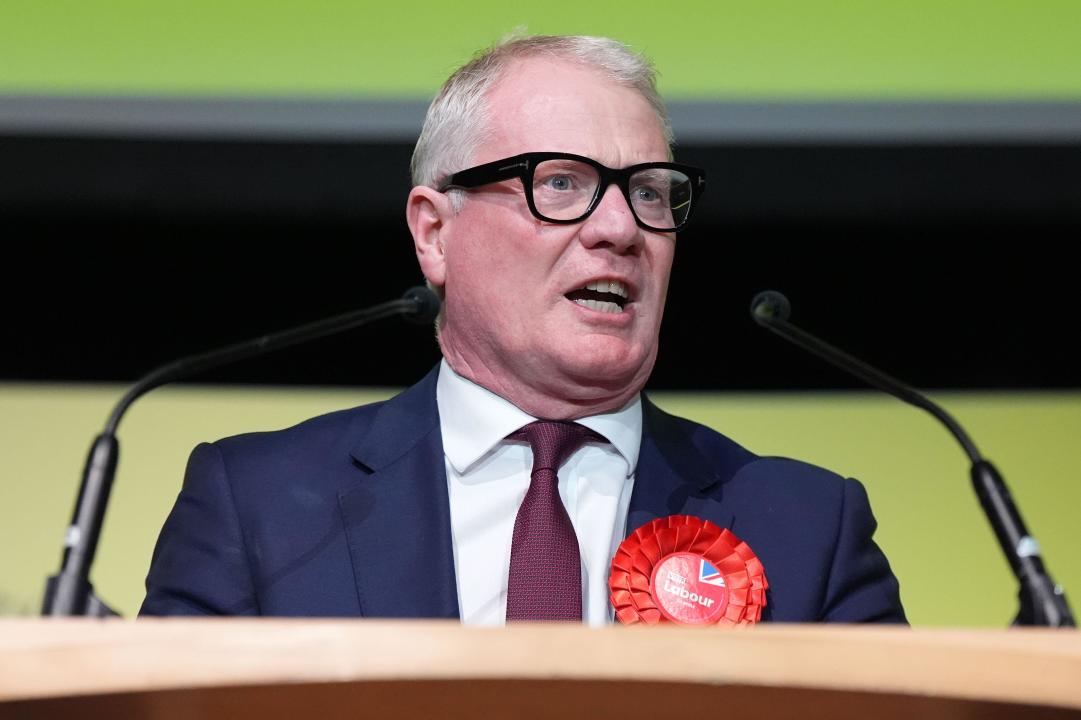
x=565 y=188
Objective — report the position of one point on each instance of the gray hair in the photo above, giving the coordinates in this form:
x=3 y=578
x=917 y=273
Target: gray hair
x=457 y=121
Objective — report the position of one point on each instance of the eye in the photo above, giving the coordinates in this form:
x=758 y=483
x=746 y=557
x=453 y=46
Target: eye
x=563 y=179
x=560 y=182
x=647 y=194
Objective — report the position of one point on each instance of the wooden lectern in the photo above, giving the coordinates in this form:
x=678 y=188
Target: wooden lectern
x=262 y=668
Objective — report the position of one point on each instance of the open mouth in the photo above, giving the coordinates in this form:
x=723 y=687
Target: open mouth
x=608 y=296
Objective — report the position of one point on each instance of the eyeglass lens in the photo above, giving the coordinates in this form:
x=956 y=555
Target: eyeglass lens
x=563 y=190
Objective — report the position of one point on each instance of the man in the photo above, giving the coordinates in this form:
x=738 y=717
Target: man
x=544 y=210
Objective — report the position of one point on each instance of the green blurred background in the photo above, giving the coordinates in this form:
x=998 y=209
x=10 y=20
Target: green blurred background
x=930 y=525
x=704 y=48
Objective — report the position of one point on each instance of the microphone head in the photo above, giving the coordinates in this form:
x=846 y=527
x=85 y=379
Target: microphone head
x=769 y=306
x=427 y=305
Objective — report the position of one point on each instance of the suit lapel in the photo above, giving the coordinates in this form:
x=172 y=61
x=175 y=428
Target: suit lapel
x=673 y=477
x=397 y=517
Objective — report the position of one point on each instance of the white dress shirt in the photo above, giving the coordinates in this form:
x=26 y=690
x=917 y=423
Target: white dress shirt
x=487 y=478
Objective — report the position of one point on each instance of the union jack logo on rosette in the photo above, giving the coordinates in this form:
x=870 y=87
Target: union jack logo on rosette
x=685 y=570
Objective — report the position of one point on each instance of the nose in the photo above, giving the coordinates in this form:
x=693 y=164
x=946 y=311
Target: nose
x=612 y=224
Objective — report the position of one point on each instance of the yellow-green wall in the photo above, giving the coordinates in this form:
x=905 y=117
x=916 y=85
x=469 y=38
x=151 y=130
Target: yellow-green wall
x=930 y=524
x=990 y=49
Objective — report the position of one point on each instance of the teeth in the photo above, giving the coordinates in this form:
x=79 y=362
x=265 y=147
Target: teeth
x=600 y=305
x=609 y=286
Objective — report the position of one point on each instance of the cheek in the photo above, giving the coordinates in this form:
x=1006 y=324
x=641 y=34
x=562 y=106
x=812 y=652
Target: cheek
x=486 y=280
x=487 y=292
x=489 y=240
x=505 y=265
x=662 y=255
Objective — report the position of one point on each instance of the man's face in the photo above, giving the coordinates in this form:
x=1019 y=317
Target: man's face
x=510 y=325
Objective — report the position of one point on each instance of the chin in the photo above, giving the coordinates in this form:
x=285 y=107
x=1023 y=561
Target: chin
x=606 y=374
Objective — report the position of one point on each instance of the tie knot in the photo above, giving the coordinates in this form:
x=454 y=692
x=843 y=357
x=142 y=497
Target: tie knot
x=554 y=441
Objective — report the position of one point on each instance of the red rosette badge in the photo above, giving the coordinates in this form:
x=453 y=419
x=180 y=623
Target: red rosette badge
x=685 y=570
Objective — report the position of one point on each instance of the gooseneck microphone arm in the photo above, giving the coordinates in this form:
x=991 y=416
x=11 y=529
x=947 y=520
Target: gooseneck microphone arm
x=771 y=309
x=1042 y=602
x=69 y=591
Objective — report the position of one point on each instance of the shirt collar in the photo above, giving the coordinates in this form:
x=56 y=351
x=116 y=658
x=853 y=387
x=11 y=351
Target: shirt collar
x=474 y=420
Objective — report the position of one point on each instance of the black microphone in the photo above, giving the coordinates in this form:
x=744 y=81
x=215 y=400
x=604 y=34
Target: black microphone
x=1042 y=602
x=427 y=305
x=69 y=591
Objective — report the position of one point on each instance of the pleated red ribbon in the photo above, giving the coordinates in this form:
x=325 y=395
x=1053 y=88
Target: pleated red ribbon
x=685 y=570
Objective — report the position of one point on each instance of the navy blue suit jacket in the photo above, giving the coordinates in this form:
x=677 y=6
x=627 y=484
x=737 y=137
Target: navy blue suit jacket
x=347 y=515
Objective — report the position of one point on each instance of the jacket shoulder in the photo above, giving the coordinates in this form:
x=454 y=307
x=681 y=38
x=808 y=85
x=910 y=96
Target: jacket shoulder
x=744 y=465
x=328 y=435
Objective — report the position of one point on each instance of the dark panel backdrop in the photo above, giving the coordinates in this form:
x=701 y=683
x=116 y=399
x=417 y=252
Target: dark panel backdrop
x=949 y=265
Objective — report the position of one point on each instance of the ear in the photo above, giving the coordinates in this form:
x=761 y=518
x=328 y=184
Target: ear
x=430 y=215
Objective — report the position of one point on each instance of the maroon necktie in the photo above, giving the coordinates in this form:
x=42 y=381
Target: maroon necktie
x=545 y=564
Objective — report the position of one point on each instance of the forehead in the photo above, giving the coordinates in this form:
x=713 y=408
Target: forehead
x=549 y=104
